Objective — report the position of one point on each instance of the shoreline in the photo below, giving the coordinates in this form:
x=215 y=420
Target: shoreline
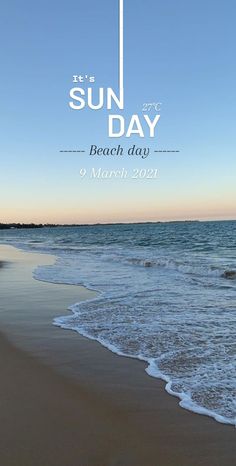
x=132 y=420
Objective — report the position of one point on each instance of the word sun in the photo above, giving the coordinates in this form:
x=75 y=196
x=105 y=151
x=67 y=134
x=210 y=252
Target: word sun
x=117 y=124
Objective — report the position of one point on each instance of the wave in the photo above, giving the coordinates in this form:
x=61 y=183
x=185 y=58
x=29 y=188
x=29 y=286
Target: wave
x=185 y=267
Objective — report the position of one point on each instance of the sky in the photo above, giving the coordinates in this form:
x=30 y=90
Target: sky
x=181 y=54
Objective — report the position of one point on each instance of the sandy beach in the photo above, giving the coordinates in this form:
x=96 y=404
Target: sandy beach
x=66 y=400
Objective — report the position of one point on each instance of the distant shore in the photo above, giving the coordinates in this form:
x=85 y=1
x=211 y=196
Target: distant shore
x=66 y=400
x=20 y=226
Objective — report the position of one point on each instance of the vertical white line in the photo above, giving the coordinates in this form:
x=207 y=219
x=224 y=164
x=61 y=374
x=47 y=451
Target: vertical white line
x=121 y=48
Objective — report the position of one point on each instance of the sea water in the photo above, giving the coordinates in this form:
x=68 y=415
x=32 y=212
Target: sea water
x=164 y=297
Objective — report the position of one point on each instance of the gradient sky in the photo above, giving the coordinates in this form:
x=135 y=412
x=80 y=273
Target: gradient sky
x=179 y=53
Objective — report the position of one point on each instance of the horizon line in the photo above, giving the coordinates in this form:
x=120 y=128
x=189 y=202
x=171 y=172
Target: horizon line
x=49 y=224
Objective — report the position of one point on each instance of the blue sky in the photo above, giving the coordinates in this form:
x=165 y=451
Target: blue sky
x=178 y=53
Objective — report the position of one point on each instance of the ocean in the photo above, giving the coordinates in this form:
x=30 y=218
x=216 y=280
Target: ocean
x=166 y=295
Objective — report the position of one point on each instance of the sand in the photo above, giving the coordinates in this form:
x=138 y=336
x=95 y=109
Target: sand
x=66 y=400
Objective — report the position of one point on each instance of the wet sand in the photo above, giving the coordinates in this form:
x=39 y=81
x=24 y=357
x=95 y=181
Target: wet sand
x=66 y=400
